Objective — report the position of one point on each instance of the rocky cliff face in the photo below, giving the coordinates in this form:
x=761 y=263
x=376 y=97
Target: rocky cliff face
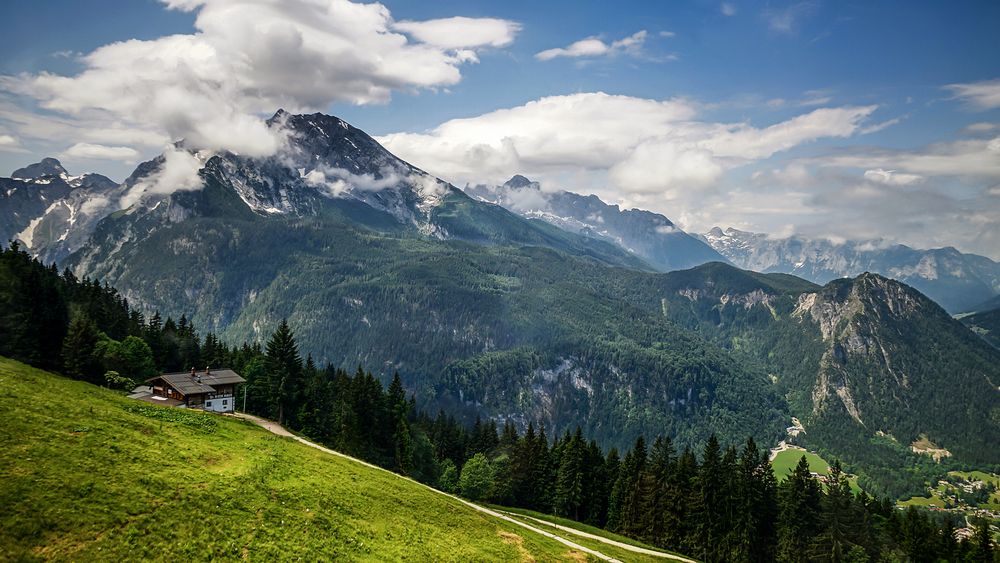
x=51 y=212
x=898 y=364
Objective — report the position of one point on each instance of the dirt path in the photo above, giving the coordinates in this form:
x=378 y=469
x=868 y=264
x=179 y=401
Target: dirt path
x=603 y=539
x=281 y=431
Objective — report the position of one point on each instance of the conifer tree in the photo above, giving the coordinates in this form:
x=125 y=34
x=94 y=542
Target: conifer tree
x=402 y=449
x=78 y=357
x=838 y=522
x=799 y=514
x=568 y=498
x=661 y=466
x=284 y=371
x=709 y=503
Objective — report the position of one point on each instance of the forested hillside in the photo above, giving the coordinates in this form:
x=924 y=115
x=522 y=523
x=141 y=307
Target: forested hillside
x=986 y=324
x=485 y=313
x=725 y=505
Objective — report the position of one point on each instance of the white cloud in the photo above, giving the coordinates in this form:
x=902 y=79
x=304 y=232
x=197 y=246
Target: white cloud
x=594 y=47
x=249 y=57
x=750 y=143
x=965 y=157
x=728 y=9
x=981 y=128
x=980 y=95
x=641 y=146
x=663 y=166
x=876 y=127
x=94 y=205
x=891 y=177
x=336 y=181
x=178 y=171
x=461 y=32
x=91 y=151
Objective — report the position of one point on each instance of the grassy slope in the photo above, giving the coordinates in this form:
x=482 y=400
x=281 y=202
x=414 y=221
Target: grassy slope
x=86 y=474
x=784 y=463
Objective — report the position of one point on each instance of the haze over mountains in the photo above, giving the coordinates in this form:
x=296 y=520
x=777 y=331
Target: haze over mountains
x=958 y=282
x=556 y=310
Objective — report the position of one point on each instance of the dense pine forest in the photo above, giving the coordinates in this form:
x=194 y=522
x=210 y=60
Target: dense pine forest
x=722 y=503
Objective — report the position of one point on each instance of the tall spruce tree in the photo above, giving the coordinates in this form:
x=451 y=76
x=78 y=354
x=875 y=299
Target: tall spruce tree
x=79 y=361
x=569 y=492
x=838 y=521
x=710 y=504
x=284 y=371
x=799 y=514
x=756 y=507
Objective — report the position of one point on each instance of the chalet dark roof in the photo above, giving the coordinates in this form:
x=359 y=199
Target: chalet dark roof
x=200 y=382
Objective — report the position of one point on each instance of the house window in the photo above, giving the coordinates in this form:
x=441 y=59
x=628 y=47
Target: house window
x=208 y=404
x=225 y=402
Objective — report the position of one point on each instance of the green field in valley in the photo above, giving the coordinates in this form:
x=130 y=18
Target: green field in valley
x=88 y=475
x=785 y=462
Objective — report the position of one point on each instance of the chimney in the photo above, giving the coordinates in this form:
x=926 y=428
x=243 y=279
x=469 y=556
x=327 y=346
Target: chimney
x=207 y=371
x=193 y=371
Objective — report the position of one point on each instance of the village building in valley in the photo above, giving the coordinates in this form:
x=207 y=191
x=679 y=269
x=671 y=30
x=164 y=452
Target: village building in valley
x=211 y=390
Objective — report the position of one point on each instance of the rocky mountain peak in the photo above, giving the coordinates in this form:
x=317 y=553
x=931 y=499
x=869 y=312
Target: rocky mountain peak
x=47 y=167
x=518 y=181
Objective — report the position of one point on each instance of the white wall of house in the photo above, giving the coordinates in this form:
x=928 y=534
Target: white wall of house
x=221 y=404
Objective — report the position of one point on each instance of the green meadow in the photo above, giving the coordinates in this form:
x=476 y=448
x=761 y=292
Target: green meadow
x=89 y=475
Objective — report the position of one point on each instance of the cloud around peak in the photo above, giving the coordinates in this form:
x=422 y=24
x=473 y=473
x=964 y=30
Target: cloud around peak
x=245 y=58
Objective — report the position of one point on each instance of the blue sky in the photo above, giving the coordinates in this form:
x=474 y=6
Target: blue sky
x=836 y=119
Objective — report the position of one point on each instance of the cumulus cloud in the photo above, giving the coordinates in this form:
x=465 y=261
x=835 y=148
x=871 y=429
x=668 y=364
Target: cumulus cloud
x=891 y=177
x=595 y=47
x=980 y=95
x=178 y=171
x=247 y=58
x=91 y=151
x=640 y=146
x=461 y=32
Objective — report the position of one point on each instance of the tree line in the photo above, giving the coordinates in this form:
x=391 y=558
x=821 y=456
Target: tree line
x=724 y=505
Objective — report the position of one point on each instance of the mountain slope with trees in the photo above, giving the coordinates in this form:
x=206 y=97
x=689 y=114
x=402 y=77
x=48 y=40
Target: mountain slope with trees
x=483 y=312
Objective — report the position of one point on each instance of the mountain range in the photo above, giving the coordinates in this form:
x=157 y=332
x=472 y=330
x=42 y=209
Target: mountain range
x=957 y=281
x=650 y=236
x=49 y=210
x=559 y=311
